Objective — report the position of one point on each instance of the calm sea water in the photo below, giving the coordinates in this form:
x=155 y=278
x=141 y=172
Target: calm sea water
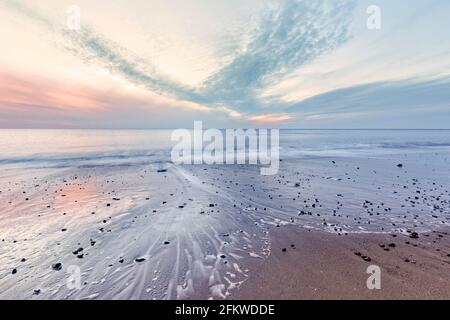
x=78 y=147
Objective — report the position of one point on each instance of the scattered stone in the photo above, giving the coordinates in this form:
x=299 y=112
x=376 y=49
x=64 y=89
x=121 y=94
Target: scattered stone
x=414 y=235
x=57 y=266
x=77 y=251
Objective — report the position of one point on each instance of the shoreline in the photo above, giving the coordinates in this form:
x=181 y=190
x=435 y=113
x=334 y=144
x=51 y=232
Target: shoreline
x=333 y=267
x=160 y=231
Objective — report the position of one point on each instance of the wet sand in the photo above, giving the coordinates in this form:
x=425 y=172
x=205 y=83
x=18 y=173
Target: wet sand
x=155 y=230
x=307 y=264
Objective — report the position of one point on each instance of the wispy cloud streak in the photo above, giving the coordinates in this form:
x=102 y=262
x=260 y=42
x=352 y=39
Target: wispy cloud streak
x=292 y=34
x=292 y=50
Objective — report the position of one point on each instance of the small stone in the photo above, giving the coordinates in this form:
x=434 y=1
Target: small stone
x=414 y=235
x=57 y=266
x=77 y=251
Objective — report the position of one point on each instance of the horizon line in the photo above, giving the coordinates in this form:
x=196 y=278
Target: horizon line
x=206 y=128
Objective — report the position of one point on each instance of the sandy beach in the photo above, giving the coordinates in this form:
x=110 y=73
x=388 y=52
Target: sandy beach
x=316 y=265
x=135 y=226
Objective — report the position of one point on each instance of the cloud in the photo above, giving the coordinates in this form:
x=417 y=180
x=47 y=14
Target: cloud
x=288 y=36
x=16 y=92
x=270 y=118
x=293 y=49
x=293 y=34
x=408 y=102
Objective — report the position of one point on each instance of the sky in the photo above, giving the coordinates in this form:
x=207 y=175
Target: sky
x=231 y=63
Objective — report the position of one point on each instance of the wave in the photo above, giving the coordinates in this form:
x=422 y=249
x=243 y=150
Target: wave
x=155 y=156
x=410 y=145
x=292 y=144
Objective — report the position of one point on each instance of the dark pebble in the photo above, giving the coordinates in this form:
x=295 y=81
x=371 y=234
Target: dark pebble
x=414 y=235
x=57 y=266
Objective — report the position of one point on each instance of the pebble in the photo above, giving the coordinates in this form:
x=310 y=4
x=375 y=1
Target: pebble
x=57 y=266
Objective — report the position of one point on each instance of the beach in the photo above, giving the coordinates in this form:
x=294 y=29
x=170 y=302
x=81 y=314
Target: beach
x=112 y=210
x=323 y=266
